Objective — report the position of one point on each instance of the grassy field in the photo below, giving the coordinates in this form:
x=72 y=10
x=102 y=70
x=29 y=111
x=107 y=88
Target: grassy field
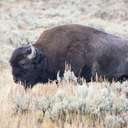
x=67 y=104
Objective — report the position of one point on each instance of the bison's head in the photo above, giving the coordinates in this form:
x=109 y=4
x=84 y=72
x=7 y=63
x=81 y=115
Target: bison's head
x=28 y=65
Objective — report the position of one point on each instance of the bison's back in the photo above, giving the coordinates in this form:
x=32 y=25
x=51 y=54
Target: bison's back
x=67 y=43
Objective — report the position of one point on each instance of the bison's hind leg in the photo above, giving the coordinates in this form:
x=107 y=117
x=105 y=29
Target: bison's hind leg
x=86 y=73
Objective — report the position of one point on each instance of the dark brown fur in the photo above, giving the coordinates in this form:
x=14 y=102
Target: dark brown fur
x=86 y=49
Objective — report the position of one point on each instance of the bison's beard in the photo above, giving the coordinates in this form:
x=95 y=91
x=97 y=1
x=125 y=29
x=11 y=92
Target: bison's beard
x=28 y=72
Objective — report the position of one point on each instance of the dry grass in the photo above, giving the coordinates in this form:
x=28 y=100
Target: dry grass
x=18 y=109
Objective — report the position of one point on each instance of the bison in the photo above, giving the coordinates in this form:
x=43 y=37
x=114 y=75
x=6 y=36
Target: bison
x=89 y=52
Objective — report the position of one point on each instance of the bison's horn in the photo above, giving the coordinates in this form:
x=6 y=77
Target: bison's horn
x=33 y=52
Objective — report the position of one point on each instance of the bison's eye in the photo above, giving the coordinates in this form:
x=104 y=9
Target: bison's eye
x=28 y=50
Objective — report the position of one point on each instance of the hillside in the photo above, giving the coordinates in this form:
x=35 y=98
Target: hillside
x=23 y=20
